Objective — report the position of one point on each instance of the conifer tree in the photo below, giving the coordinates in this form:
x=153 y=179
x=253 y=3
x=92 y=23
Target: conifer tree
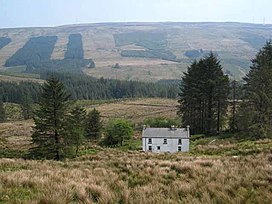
x=2 y=112
x=203 y=97
x=258 y=95
x=93 y=125
x=49 y=131
x=76 y=128
x=26 y=106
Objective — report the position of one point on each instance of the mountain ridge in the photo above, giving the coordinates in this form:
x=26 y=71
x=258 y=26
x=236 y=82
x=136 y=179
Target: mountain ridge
x=149 y=51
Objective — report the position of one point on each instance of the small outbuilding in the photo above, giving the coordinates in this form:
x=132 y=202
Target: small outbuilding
x=166 y=139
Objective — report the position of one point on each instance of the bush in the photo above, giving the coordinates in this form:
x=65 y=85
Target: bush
x=117 y=131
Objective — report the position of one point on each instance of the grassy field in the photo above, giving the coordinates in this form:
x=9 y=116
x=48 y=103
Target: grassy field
x=19 y=72
x=218 y=169
x=136 y=110
x=103 y=175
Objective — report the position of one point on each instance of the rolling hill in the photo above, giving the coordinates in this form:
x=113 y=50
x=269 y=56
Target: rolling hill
x=131 y=51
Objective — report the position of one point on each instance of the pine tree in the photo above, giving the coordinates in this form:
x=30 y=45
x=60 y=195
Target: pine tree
x=49 y=131
x=2 y=112
x=26 y=106
x=258 y=95
x=93 y=125
x=203 y=96
x=233 y=119
x=76 y=128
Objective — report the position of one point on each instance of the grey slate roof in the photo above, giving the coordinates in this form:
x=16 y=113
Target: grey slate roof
x=165 y=133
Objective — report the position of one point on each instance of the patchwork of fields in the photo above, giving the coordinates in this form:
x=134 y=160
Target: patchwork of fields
x=144 y=51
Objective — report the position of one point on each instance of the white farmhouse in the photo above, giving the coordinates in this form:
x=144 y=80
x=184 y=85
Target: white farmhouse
x=166 y=139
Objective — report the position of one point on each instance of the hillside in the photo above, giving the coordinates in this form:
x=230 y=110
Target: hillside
x=218 y=169
x=143 y=51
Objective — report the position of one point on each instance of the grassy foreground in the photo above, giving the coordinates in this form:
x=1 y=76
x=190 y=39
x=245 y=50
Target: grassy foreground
x=124 y=176
x=219 y=169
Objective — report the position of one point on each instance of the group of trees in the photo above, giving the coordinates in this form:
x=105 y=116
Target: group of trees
x=60 y=131
x=205 y=97
x=74 y=47
x=4 y=41
x=204 y=93
x=2 y=112
x=37 y=49
x=83 y=87
x=255 y=113
x=155 y=45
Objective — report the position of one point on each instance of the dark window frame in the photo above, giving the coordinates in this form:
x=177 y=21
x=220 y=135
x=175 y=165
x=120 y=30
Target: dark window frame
x=149 y=140
x=180 y=141
x=165 y=141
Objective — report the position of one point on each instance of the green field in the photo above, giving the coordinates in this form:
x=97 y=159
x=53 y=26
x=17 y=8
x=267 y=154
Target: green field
x=19 y=72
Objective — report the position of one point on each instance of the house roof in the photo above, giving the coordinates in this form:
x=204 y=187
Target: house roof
x=165 y=133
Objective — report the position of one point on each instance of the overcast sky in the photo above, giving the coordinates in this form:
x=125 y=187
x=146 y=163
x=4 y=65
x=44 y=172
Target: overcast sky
x=27 y=13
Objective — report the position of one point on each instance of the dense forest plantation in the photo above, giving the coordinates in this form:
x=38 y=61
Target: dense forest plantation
x=35 y=50
x=4 y=41
x=155 y=45
x=82 y=87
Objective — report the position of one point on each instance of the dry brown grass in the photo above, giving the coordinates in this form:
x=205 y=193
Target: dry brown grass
x=16 y=135
x=223 y=171
x=112 y=176
x=137 y=110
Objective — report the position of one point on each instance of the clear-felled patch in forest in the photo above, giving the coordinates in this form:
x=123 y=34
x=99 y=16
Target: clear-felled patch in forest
x=36 y=49
x=154 y=44
x=4 y=42
x=74 y=47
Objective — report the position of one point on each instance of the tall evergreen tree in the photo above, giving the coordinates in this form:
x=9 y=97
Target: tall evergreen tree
x=258 y=95
x=93 y=125
x=49 y=132
x=203 y=97
x=26 y=106
x=2 y=112
x=233 y=119
x=76 y=128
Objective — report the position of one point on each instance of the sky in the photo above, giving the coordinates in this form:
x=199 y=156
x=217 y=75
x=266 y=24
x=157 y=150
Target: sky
x=42 y=13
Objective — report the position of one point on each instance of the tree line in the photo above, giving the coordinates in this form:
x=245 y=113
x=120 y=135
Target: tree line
x=82 y=87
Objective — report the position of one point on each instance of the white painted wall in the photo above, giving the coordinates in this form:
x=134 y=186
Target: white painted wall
x=171 y=146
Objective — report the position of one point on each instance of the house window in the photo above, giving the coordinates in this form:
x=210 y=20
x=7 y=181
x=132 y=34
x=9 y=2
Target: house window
x=179 y=141
x=158 y=148
x=149 y=148
x=164 y=141
x=179 y=148
x=149 y=141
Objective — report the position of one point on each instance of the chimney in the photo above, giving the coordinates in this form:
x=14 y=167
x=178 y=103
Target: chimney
x=188 y=130
x=173 y=127
x=144 y=127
